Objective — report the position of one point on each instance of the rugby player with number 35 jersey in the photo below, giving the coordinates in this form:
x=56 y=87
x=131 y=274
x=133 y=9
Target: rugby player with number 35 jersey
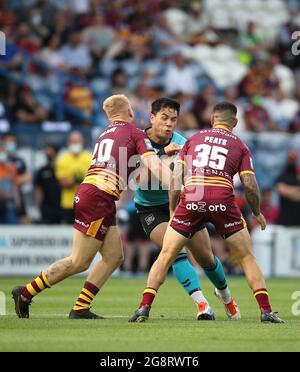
x=206 y=166
x=95 y=211
x=153 y=210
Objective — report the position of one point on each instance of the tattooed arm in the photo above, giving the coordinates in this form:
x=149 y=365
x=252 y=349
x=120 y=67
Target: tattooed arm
x=253 y=197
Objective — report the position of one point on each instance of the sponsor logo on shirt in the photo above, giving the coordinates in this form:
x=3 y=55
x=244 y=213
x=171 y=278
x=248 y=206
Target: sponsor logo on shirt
x=202 y=207
x=77 y=199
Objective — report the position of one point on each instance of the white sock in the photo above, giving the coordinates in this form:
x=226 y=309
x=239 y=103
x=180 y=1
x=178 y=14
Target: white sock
x=225 y=295
x=198 y=297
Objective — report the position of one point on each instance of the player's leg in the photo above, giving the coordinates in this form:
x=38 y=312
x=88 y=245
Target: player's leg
x=111 y=258
x=144 y=255
x=183 y=270
x=83 y=252
x=172 y=244
x=241 y=253
x=200 y=247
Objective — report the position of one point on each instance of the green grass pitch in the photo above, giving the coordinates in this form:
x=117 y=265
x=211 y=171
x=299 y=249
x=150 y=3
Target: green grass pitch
x=172 y=326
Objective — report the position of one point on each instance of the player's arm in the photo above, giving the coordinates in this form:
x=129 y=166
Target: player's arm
x=158 y=169
x=252 y=194
x=176 y=185
x=289 y=192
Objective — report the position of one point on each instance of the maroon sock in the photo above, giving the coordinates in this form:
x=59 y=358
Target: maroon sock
x=148 y=297
x=262 y=299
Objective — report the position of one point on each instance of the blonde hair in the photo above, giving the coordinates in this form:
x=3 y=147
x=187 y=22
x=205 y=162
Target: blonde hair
x=116 y=105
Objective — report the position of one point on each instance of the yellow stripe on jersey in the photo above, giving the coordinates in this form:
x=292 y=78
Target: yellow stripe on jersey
x=107 y=172
x=103 y=184
x=94 y=227
x=208 y=184
x=148 y=154
x=247 y=172
x=210 y=179
x=181 y=161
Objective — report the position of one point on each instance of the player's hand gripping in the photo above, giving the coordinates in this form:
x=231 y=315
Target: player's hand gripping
x=261 y=220
x=172 y=149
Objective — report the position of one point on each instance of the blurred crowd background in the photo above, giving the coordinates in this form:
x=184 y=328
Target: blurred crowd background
x=63 y=57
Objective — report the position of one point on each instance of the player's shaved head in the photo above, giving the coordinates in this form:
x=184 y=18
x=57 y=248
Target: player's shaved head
x=225 y=113
x=118 y=107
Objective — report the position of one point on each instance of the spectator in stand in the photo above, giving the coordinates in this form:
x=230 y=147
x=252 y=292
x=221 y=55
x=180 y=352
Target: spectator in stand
x=47 y=189
x=9 y=197
x=259 y=77
x=268 y=208
x=231 y=95
x=288 y=188
x=119 y=82
x=62 y=26
x=163 y=39
x=179 y=76
x=23 y=175
x=187 y=119
x=36 y=26
x=98 y=37
x=257 y=118
x=204 y=104
x=27 y=110
x=76 y=54
x=51 y=55
x=79 y=95
x=25 y=40
x=252 y=42
x=70 y=170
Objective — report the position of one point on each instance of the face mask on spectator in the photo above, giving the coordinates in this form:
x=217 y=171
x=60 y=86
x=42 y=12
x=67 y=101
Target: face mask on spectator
x=36 y=20
x=3 y=157
x=11 y=147
x=75 y=148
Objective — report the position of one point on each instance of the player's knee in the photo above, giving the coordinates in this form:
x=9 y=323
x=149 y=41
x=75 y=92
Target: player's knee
x=115 y=260
x=119 y=259
x=80 y=265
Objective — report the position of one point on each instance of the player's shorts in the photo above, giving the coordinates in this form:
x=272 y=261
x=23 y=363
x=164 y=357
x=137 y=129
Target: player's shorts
x=224 y=214
x=151 y=217
x=95 y=211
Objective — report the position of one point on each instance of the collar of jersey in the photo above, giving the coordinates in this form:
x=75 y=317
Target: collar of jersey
x=157 y=145
x=220 y=126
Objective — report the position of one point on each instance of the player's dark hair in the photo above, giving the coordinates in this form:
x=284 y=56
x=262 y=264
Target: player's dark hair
x=225 y=106
x=164 y=102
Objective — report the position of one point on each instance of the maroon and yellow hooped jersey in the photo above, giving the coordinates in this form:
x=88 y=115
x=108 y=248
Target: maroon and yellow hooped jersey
x=212 y=157
x=115 y=157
